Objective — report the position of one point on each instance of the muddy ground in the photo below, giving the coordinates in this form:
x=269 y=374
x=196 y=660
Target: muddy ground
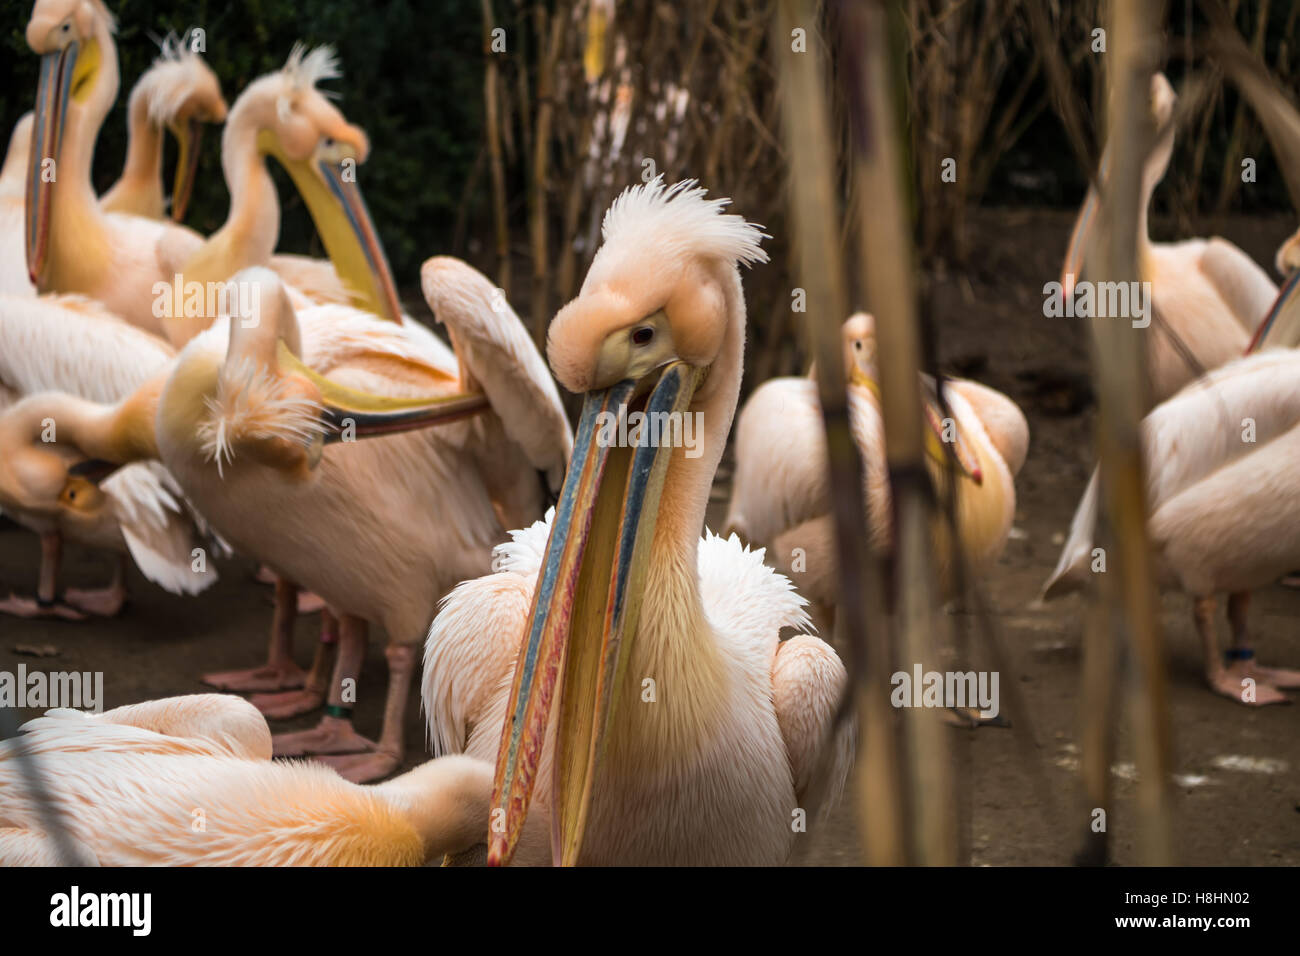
x=1238 y=796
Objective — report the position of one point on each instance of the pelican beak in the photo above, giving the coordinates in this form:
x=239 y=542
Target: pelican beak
x=189 y=134
x=327 y=182
x=946 y=436
x=58 y=74
x=1077 y=250
x=1280 y=328
x=585 y=611
x=350 y=414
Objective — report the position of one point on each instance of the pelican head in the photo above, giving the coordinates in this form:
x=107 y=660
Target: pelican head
x=183 y=95
x=655 y=334
x=49 y=482
x=859 y=334
x=73 y=38
x=321 y=151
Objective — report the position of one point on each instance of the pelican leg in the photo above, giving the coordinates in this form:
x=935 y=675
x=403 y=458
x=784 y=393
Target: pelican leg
x=102 y=602
x=279 y=672
x=1278 y=677
x=46 y=602
x=362 y=768
x=1232 y=679
x=334 y=734
x=291 y=703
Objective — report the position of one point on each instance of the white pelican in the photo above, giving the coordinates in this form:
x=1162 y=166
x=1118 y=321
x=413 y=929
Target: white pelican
x=380 y=529
x=70 y=344
x=781 y=496
x=707 y=728
x=180 y=93
x=1207 y=291
x=1218 y=455
x=190 y=781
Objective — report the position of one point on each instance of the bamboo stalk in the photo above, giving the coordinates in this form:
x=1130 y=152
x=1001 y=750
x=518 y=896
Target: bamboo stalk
x=539 y=294
x=1130 y=603
x=492 y=123
x=885 y=242
x=815 y=219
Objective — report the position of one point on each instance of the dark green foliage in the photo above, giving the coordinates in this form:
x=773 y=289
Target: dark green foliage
x=412 y=78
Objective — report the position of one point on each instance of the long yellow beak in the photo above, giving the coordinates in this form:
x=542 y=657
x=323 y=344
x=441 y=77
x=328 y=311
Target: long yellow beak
x=337 y=208
x=350 y=413
x=584 y=615
x=189 y=135
x=52 y=92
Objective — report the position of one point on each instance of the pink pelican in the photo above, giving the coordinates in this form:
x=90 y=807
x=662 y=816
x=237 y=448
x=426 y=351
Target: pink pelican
x=67 y=344
x=781 y=497
x=1217 y=454
x=685 y=731
x=189 y=781
x=380 y=529
x=1206 y=291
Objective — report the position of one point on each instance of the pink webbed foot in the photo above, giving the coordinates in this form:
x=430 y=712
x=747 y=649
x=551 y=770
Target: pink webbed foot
x=31 y=608
x=287 y=704
x=1245 y=687
x=363 y=768
x=1281 y=677
x=333 y=735
x=268 y=677
x=100 y=602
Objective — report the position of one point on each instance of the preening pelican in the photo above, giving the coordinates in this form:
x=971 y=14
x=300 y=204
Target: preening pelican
x=686 y=732
x=781 y=496
x=379 y=529
x=1207 y=292
x=180 y=93
x=67 y=344
x=190 y=781
x=1219 y=456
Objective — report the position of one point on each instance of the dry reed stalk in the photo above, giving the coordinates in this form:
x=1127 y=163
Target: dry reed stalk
x=814 y=214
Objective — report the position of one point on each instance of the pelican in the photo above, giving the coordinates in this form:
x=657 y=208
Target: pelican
x=706 y=727
x=180 y=93
x=189 y=781
x=1218 y=454
x=381 y=529
x=1206 y=291
x=781 y=496
x=73 y=345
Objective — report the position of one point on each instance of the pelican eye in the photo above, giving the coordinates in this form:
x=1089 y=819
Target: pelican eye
x=858 y=345
x=643 y=335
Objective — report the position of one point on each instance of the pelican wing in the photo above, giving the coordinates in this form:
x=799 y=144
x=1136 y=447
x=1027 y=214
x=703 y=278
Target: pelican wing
x=72 y=344
x=1239 y=280
x=497 y=355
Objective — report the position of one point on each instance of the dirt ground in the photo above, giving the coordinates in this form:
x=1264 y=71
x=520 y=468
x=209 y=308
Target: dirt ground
x=1238 y=794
